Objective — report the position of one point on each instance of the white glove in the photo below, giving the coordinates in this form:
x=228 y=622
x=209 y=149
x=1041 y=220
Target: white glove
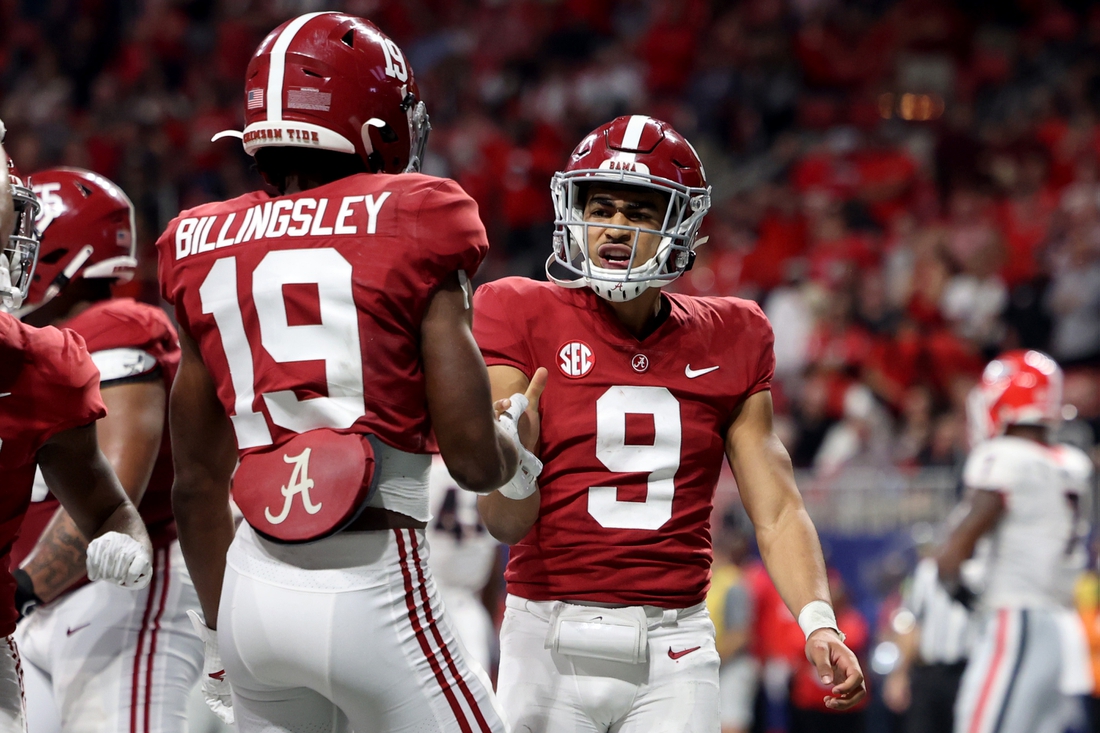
x=120 y=559
x=523 y=483
x=215 y=687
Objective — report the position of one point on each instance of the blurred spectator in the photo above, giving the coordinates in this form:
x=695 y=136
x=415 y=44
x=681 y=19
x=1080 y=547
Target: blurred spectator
x=730 y=603
x=1074 y=296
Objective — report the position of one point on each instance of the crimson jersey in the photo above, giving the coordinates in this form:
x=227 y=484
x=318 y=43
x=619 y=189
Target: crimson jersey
x=307 y=307
x=128 y=340
x=48 y=384
x=632 y=440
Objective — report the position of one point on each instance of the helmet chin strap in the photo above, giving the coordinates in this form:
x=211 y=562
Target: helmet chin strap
x=606 y=289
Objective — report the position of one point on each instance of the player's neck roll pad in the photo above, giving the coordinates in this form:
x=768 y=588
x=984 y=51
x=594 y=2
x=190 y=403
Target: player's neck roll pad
x=307 y=488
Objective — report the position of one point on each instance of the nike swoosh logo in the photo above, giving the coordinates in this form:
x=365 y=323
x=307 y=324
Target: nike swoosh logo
x=219 y=675
x=5 y=394
x=685 y=652
x=70 y=632
x=693 y=373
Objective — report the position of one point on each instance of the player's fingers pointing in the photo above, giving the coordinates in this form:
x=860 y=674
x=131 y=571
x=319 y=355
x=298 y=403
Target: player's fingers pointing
x=535 y=388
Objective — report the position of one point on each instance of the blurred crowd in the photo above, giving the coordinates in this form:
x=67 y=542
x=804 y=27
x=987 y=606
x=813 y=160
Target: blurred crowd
x=907 y=186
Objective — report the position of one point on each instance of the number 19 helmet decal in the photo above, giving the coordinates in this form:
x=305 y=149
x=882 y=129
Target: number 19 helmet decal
x=332 y=81
x=18 y=257
x=630 y=151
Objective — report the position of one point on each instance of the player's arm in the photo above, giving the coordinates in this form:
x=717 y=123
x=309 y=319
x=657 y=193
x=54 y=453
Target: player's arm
x=787 y=539
x=79 y=475
x=986 y=509
x=204 y=452
x=509 y=520
x=130 y=438
x=478 y=454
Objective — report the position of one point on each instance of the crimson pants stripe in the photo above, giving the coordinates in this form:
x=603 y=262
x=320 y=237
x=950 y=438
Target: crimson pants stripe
x=153 y=640
x=410 y=602
x=149 y=602
x=470 y=699
x=18 y=673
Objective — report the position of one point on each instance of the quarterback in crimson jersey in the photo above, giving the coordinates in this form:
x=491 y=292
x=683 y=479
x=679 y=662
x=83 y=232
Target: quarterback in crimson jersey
x=1029 y=668
x=647 y=393
x=49 y=403
x=326 y=345
x=94 y=679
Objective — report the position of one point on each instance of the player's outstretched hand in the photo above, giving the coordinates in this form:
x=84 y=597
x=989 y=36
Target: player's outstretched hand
x=837 y=666
x=215 y=687
x=529 y=421
x=120 y=559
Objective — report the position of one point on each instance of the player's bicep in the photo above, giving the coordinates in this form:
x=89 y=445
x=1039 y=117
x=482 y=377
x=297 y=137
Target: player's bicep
x=202 y=435
x=505 y=381
x=130 y=436
x=760 y=463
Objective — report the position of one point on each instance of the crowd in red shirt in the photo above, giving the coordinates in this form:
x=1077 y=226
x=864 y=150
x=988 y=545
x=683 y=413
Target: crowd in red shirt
x=907 y=186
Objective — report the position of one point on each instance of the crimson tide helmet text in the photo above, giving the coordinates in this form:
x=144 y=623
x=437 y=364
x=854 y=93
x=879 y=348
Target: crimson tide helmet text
x=331 y=81
x=87 y=228
x=1021 y=387
x=632 y=151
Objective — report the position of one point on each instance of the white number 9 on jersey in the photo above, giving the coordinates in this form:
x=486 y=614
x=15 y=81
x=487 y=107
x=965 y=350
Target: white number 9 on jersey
x=660 y=460
x=335 y=340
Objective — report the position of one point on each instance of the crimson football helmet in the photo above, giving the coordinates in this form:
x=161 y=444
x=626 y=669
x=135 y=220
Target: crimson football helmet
x=87 y=228
x=332 y=81
x=1020 y=387
x=19 y=254
x=635 y=151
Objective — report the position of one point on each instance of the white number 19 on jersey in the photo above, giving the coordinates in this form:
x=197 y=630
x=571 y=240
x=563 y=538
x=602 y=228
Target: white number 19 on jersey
x=335 y=340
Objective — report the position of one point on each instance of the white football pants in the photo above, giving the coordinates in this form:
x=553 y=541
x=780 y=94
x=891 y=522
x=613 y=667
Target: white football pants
x=674 y=691
x=472 y=623
x=105 y=658
x=13 y=717
x=1025 y=674
x=342 y=634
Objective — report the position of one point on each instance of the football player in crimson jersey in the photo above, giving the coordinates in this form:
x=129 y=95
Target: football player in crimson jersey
x=89 y=649
x=1024 y=525
x=327 y=346
x=49 y=403
x=606 y=626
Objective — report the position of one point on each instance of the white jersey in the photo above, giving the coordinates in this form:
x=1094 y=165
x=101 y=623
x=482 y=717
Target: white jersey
x=463 y=552
x=1036 y=552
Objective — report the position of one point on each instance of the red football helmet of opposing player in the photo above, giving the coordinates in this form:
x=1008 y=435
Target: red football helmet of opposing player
x=87 y=229
x=634 y=151
x=332 y=81
x=1021 y=387
x=21 y=250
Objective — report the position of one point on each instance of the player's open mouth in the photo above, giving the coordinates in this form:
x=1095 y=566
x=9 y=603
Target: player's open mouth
x=614 y=256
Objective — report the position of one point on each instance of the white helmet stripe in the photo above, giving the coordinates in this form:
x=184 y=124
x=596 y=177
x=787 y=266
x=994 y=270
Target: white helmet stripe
x=275 y=73
x=634 y=129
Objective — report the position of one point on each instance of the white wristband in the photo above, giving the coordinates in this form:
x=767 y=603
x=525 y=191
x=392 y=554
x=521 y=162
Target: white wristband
x=522 y=483
x=818 y=615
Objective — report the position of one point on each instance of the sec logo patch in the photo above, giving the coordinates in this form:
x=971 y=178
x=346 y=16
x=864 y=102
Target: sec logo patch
x=575 y=359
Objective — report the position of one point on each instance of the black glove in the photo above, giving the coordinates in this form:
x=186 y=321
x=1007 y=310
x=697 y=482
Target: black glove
x=25 y=598
x=962 y=594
